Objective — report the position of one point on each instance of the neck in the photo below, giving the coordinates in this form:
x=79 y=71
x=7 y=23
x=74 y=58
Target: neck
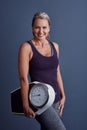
x=39 y=42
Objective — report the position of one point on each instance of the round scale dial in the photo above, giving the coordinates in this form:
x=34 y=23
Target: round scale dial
x=38 y=95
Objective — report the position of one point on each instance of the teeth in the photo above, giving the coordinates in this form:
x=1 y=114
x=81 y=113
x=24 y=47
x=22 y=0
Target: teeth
x=40 y=36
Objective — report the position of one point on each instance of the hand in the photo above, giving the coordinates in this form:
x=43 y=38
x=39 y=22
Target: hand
x=29 y=112
x=61 y=106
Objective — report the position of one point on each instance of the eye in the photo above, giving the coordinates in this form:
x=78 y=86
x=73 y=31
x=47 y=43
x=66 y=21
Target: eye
x=37 y=27
x=44 y=27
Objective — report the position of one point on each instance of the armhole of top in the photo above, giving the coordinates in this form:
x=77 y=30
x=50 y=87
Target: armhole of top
x=54 y=49
x=30 y=43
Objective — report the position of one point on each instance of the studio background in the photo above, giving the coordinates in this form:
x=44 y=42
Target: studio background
x=69 y=29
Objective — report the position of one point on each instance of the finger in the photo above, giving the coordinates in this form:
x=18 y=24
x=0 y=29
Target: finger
x=60 y=113
x=61 y=105
x=32 y=115
x=61 y=110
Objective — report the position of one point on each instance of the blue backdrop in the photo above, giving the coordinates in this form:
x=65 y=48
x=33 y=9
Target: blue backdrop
x=69 y=29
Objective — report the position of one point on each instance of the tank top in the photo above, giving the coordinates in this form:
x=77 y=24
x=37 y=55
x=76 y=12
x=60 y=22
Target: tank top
x=44 y=69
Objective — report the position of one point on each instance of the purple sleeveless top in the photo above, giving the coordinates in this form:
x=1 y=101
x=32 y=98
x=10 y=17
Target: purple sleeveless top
x=44 y=69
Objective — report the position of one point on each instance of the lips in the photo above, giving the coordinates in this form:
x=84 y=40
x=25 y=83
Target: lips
x=40 y=35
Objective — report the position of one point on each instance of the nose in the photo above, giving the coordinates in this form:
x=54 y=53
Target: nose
x=41 y=30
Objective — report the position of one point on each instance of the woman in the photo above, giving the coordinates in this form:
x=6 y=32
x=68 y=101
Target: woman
x=40 y=58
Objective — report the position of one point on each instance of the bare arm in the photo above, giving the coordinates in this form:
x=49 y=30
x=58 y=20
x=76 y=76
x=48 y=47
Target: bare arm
x=60 y=84
x=23 y=68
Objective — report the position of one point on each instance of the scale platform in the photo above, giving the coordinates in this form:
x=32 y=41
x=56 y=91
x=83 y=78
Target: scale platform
x=16 y=101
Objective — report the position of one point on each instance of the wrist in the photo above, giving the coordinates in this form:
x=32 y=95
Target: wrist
x=63 y=96
x=25 y=104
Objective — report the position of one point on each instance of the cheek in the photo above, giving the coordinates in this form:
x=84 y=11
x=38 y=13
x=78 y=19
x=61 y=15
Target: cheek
x=48 y=30
x=35 y=31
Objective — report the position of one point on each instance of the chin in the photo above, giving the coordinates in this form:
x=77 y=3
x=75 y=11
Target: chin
x=41 y=38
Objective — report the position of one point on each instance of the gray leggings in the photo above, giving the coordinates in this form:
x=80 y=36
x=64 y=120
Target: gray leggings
x=50 y=120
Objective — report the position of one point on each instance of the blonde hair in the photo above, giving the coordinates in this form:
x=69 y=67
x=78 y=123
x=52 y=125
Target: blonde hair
x=41 y=15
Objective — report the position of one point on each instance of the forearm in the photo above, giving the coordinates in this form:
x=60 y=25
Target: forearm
x=24 y=91
x=60 y=83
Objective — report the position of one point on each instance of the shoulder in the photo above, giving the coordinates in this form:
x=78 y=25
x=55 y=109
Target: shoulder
x=25 y=47
x=25 y=51
x=56 y=45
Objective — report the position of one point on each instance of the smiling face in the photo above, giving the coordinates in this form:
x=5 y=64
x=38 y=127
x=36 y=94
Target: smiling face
x=41 y=29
